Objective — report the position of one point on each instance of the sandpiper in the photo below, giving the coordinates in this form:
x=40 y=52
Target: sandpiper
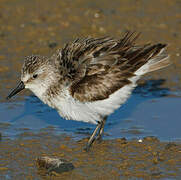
x=89 y=78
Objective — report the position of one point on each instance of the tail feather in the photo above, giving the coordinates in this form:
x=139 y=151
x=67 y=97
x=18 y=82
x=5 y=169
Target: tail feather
x=156 y=60
x=159 y=61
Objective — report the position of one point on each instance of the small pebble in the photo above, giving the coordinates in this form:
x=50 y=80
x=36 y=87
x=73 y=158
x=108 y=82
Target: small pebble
x=56 y=165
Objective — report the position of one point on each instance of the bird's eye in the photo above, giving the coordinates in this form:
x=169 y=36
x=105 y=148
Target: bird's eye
x=35 y=76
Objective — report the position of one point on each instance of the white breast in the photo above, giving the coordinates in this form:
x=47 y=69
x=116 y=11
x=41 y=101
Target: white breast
x=91 y=112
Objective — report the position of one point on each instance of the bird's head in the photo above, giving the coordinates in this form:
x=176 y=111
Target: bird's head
x=36 y=75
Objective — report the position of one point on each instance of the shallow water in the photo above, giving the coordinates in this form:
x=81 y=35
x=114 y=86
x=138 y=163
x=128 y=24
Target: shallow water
x=150 y=111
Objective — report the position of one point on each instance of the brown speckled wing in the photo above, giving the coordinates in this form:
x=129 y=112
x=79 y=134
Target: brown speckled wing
x=100 y=85
x=98 y=67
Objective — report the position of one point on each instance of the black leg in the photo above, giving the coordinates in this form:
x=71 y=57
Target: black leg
x=101 y=130
x=92 y=138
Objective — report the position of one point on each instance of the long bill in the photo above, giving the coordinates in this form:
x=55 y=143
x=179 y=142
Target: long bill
x=19 y=88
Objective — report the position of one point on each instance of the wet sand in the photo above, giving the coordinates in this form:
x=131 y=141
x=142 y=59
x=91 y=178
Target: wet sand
x=110 y=159
x=39 y=27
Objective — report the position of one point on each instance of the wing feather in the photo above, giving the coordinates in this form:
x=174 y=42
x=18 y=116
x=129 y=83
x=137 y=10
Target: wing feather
x=97 y=67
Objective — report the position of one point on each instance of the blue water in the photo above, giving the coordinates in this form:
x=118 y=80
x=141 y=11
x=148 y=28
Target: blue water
x=150 y=111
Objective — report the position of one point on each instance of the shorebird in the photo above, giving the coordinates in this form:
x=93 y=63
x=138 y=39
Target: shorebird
x=89 y=78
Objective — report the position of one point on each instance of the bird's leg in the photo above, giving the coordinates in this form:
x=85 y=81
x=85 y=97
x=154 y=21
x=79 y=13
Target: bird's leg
x=92 y=138
x=101 y=130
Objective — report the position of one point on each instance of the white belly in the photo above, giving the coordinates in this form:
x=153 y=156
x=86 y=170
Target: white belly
x=91 y=112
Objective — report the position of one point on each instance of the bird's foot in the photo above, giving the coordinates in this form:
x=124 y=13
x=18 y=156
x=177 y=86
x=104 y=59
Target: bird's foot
x=88 y=145
x=99 y=138
x=98 y=131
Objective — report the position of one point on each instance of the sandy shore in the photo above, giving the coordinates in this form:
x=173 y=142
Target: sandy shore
x=110 y=159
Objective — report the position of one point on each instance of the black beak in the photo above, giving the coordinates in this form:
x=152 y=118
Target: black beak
x=19 y=87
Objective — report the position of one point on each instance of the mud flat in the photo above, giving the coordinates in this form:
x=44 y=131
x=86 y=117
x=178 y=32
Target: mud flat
x=111 y=159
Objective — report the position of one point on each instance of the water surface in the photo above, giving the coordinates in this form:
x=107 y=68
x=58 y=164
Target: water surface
x=150 y=111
